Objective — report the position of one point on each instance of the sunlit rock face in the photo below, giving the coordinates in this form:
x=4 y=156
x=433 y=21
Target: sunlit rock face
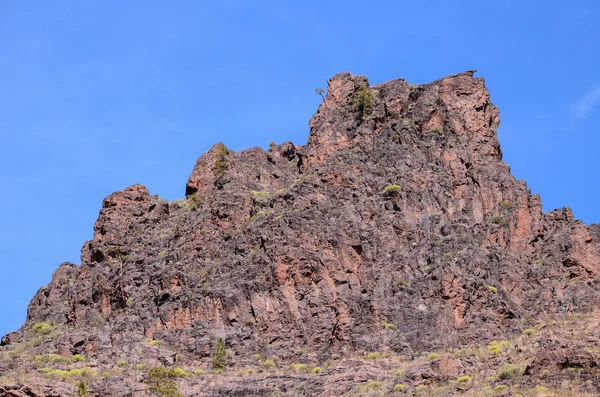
x=397 y=227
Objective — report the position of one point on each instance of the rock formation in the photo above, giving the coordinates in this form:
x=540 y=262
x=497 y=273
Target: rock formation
x=396 y=229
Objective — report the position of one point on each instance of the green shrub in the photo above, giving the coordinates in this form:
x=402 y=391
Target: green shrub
x=179 y=373
x=437 y=130
x=261 y=195
x=463 y=380
x=221 y=165
x=42 y=328
x=509 y=371
x=493 y=289
x=319 y=91
x=500 y=388
x=373 y=356
x=53 y=358
x=77 y=358
x=387 y=325
x=432 y=356
x=494 y=347
x=122 y=362
x=162 y=381
x=372 y=385
x=505 y=205
x=81 y=389
x=316 y=370
x=529 y=331
x=400 y=387
x=299 y=367
x=398 y=373
x=154 y=342
x=194 y=204
x=219 y=360
x=105 y=374
x=498 y=220
x=129 y=301
x=392 y=190
x=401 y=282
x=364 y=101
x=162 y=255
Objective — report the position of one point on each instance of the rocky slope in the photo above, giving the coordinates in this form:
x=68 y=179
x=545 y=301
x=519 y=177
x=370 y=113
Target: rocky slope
x=397 y=230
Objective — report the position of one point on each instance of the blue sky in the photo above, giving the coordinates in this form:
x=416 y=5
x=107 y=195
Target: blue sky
x=98 y=95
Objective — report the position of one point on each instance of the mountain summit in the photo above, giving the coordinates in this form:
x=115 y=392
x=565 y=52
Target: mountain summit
x=393 y=254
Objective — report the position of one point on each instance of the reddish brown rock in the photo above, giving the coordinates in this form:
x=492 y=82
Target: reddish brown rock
x=300 y=252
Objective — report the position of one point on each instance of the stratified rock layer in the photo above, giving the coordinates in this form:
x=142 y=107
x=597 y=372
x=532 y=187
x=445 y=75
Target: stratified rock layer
x=301 y=253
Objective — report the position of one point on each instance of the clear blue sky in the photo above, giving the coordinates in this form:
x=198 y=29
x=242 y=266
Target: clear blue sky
x=98 y=95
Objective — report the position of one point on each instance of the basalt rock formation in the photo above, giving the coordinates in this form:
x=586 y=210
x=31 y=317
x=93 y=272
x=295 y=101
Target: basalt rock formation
x=397 y=229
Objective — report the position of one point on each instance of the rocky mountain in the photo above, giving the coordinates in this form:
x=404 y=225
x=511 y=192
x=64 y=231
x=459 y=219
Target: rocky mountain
x=393 y=254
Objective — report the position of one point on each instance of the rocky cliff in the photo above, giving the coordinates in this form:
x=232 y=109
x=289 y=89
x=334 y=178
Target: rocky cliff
x=397 y=230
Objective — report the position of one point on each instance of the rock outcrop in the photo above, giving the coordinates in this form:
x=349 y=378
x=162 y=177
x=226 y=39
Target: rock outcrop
x=397 y=228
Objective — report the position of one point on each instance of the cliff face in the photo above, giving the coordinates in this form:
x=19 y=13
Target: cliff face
x=396 y=228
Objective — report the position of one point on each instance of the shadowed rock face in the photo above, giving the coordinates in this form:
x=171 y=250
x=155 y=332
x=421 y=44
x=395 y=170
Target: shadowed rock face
x=306 y=252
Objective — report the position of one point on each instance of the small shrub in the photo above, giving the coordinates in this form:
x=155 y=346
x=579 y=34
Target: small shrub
x=494 y=348
x=372 y=385
x=398 y=373
x=249 y=371
x=498 y=220
x=316 y=370
x=269 y=363
x=219 y=360
x=250 y=321
x=129 y=301
x=493 y=289
x=221 y=165
x=105 y=374
x=272 y=143
x=432 y=356
x=162 y=382
x=81 y=389
x=299 y=367
x=42 y=328
x=388 y=325
x=364 y=101
x=400 y=387
x=179 y=373
x=140 y=366
x=541 y=389
x=505 y=205
x=464 y=380
x=194 y=203
x=500 y=388
x=77 y=358
x=401 y=283
x=437 y=130
x=162 y=255
x=319 y=91
x=509 y=371
x=373 y=356
x=261 y=195
x=121 y=362
x=154 y=342
x=392 y=190
x=529 y=331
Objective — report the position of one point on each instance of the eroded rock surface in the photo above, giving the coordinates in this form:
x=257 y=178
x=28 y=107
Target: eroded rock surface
x=398 y=230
